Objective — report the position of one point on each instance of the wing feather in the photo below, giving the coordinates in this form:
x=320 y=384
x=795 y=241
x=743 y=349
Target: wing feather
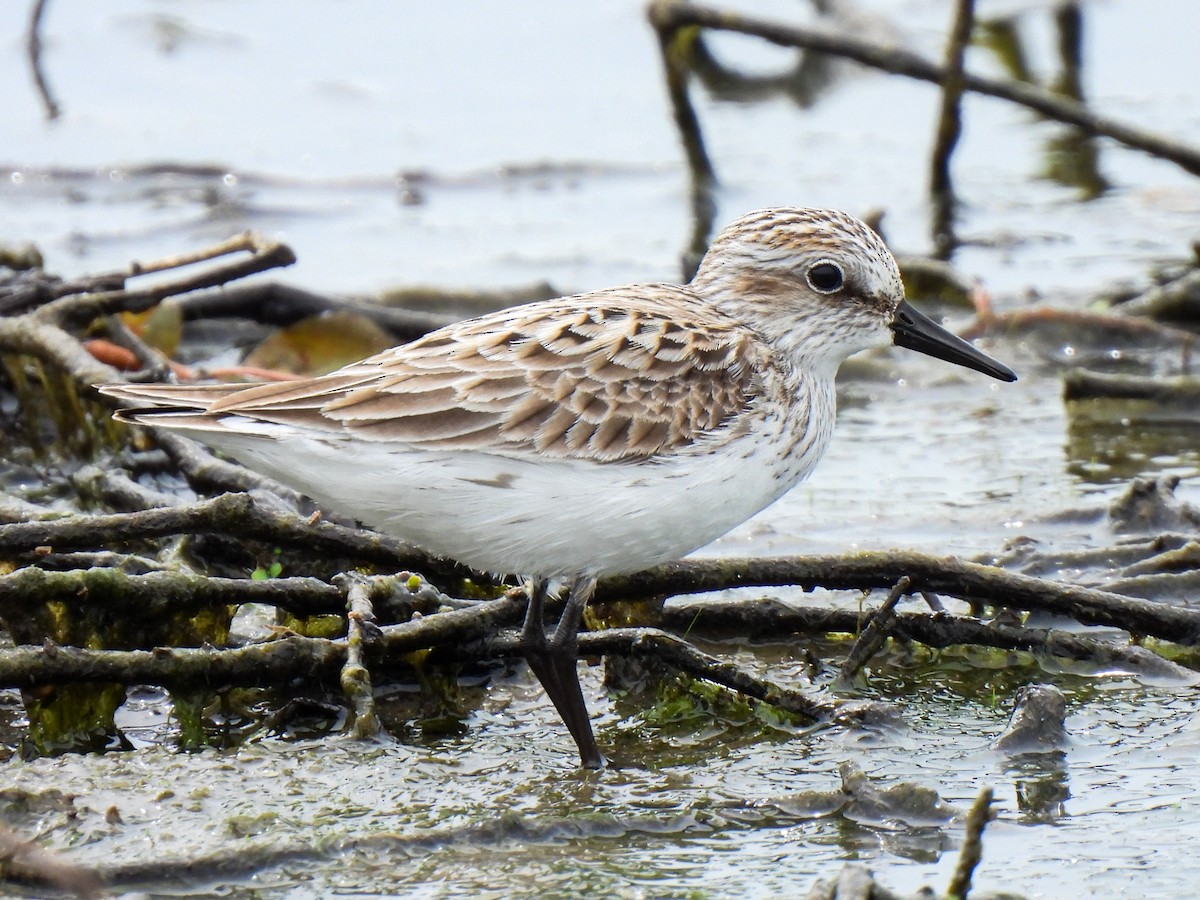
x=623 y=374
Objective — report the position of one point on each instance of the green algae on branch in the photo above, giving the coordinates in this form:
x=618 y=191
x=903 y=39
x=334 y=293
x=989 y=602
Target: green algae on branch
x=157 y=595
x=264 y=664
x=57 y=611
x=767 y=619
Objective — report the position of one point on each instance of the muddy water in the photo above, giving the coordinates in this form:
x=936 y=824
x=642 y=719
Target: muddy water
x=537 y=145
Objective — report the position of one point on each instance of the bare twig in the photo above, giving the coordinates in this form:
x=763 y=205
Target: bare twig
x=128 y=563
x=771 y=620
x=666 y=648
x=14 y=509
x=160 y=594
x=356 y=678
x=255 y=665
x=204 y=471
x=972 y=848
x=33 y=48
x=949 y=128
x=876 y=633
x=115 y=488
x=675 y=14
x=240 y=515
x=945 y=575
x=51 y=344
x=237 y=514
x=269 y=663
x=79 y=309
x=273 y=303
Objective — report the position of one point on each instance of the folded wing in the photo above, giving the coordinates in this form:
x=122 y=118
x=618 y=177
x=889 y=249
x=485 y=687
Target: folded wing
x=623 y=374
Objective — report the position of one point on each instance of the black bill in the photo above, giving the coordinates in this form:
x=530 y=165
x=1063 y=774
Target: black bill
x=917 y=331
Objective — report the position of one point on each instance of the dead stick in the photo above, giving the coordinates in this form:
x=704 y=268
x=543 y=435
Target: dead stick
x=677 y=14
x=771 y=620
x=356 y=678
x=972 y=849
x=159 y=595
x=667 y=648
x=949 y=128
x=80 y=309
x=266 y=664
x=239 y=515
x=876 y=632
x=945 y=575
x=49 y=343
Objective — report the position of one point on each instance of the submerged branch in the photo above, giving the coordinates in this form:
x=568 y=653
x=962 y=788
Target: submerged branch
x=22 y=860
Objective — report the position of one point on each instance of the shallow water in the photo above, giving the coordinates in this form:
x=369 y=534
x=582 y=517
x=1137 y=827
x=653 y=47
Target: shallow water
x=538 y=146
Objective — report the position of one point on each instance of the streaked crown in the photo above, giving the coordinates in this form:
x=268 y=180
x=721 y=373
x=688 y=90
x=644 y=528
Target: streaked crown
x=817 y=280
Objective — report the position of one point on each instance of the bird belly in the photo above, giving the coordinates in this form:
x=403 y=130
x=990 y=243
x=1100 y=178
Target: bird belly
x=545 y=516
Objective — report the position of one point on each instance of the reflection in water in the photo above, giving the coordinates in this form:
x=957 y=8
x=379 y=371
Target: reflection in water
x=1000 y=36
x=1112 y=441
x=942 y=199
x=1042 y=785
x=676 y=45
x=685 y=53
x=1072 y=157
x=803 y=84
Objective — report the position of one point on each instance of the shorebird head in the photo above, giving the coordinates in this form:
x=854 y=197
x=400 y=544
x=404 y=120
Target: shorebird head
x=823 y=285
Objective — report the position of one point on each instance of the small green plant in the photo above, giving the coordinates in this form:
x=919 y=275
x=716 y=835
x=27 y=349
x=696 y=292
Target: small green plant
x=262 y=573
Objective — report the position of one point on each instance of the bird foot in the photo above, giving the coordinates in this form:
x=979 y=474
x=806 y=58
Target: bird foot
x=556 y=668
x=553 y=661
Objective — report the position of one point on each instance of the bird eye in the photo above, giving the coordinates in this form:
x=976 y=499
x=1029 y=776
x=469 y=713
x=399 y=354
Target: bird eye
x=826 y=277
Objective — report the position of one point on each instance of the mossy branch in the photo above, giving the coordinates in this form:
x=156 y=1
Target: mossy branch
x=943 y=575
x=239 y=515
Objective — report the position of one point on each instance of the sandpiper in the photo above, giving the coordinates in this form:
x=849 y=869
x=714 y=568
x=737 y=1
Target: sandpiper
x=588 y=435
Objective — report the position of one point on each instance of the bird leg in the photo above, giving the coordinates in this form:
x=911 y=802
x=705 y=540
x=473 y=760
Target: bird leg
x=553 y=661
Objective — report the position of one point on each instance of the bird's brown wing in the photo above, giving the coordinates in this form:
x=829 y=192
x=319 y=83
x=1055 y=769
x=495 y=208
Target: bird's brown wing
x=623 y=374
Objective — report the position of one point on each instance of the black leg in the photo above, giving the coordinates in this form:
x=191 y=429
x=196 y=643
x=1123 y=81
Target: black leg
x=533 y=632
x=554 y=663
